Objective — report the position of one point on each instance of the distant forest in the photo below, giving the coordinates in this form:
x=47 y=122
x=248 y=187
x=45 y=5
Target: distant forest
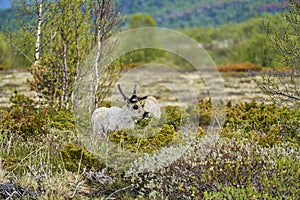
x=237 y=36
x=244 y=42
x=194 y=13
x=230 y=43
x=188 y=14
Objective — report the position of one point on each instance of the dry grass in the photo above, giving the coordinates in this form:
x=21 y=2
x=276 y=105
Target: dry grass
x=4 y=67
x=240 y=67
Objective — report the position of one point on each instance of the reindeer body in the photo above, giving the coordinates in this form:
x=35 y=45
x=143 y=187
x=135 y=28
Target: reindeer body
x=115 y=118
x=152 y=106
x=111 y=119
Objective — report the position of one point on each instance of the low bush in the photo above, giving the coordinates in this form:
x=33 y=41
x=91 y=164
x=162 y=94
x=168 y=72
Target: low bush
x=4 y=67
x=257 y=143
x=139 y=141
x=27 y=119
x=77 y=159
x=23 y=119
x=256 y=157
x=243 y=67
x=27 y=129
x=266 y=124
x=232 y=169
x=174 y=116
x=153 y=134
x=204 y=112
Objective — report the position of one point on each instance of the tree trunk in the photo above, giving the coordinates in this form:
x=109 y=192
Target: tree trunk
x=65 y=90
x=38 y=35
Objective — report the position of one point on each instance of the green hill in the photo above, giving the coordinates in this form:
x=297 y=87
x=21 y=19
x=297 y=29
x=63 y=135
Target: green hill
x=192 y=13
x=236 y=43
x=187 y=14
x=232 y=43
x=230 y=30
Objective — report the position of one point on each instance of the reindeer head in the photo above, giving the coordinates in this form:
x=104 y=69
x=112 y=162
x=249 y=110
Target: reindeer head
x=133 y=104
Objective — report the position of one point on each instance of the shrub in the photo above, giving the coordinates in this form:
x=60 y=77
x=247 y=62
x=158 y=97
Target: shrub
x=77 y=159
x=61 y=119
x=239 y=68
x=30 y=121
x=23 y=119
x=204 y=112
x=4 y=67
x=153 y=134
x=139 y=141
x=257 y=156
x=174 y=116
x=266 y=124
x=232 y=169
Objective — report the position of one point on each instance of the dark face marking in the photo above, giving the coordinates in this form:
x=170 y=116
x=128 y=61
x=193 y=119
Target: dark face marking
x=146 y=115
x=134 y=98
x=135 y=107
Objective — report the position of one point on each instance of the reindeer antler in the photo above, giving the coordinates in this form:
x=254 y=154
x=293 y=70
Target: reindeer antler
x=134 y=89
x=121 y=92
x=134 y=95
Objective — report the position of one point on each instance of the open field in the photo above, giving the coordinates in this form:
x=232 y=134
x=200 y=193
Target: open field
x=11 y=81
x=239 y=86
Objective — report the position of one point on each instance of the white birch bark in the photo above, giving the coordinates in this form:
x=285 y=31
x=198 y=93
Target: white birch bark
x=95 y=76
x=65 y=76
x=38 y=35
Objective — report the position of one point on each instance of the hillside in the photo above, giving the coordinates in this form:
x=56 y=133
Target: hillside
x=186 y=14
x=193 y=13
x=236 y=43
x=235 y=37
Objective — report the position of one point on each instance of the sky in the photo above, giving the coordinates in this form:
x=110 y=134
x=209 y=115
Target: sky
x=4 y=3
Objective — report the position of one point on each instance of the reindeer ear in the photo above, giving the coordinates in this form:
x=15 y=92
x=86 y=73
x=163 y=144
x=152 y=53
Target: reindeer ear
x=134 y=98
x=142 y=98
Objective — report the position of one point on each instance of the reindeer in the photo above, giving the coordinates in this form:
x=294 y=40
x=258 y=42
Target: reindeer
x=152 y=106
x=115 y=118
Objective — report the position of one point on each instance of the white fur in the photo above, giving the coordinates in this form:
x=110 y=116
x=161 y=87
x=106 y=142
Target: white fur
x=151 y=105
x=115 y=118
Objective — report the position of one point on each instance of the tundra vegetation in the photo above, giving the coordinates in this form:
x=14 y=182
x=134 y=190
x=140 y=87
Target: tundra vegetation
x=256 y=157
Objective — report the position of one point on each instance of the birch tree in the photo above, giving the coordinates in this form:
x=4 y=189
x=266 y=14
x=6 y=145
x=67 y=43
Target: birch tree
x=284 y=86
x=39 y=27
x=61 y=34
x=106 y=22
